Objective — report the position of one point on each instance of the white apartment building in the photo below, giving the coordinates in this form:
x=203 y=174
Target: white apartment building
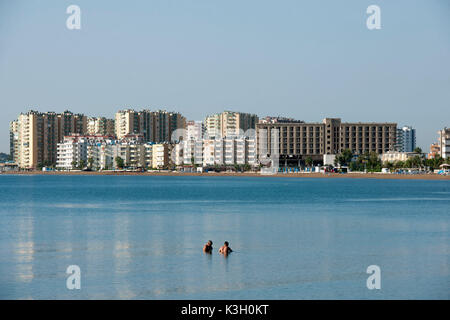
x=211 y=152
x=393 y=156
x=100 y=153
x=160 y=155
x=76 y=149
x=213 y=126
x=207 y=153
x=444 y=142
x=194 y=130
x=71 y=152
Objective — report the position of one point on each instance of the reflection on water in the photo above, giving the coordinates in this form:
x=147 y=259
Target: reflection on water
x=24 y=250
x=137 y=238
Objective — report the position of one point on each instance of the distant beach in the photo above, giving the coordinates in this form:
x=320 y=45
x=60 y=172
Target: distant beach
x=430 y=176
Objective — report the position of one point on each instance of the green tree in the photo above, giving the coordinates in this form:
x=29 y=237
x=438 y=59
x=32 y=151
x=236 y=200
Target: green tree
x=344 y=158
x=74 y=164
x=90 y=162
x=82 y=164
x=308 y=161
x=389 y=165
x=119 y=162
x=418 y=150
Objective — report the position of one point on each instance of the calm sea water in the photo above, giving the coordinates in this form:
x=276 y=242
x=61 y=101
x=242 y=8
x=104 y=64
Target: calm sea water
x=142 y=237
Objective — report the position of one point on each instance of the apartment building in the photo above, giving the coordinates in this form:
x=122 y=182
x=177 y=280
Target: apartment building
x=14 y=139
x=100 y=152
x=393 y=156
x=34 y=136
x=297 y=141
x=444 y=143
x=155 y=126
x=229 y=124
x=100 y=126
x=194 y=130
x=76 y=150
x=406 y=139
x=126 y=122
x=190 y=152
x=212 y=152
x=160 y=155
x=71 y=152
x=435 y=150
x=69 y=123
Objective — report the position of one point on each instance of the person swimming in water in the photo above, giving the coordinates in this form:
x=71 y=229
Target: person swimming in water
x=208 y=247
x=225 y=249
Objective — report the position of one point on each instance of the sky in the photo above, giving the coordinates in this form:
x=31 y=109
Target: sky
x=302 y=59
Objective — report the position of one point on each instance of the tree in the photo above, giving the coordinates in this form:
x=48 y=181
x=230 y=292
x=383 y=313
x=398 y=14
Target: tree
x=344 y=158
x=308 y=161
x=74 y=164
x=418 y=150
x=389 y=165
x=82 y=164
x=90 y=162
x=119 y=162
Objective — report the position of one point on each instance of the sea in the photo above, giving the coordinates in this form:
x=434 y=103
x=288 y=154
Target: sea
x=141 y=237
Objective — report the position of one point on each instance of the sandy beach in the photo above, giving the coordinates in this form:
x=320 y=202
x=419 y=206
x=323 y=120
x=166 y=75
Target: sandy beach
x=244 y=174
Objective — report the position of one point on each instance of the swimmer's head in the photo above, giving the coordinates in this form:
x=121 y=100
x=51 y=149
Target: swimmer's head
x=210 y=242
x=226 y=243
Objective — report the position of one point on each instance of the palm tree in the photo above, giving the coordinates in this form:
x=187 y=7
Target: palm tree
x=308 y=161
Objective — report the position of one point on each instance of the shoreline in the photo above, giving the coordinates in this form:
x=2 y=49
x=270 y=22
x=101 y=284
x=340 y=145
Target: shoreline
x=388 y=176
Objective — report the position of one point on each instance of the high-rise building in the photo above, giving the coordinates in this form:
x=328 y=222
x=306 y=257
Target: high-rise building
x=194 y=130
x=444 y=143
x=229 y=124
x=13 y=139
x=155 y=126
x=126 y=122
x=298 y=141
x=100 y=126
x=69 y=123
x=37 y=134
x=406 y=139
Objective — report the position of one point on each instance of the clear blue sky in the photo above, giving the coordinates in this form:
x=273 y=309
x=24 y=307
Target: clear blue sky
x=302 y=59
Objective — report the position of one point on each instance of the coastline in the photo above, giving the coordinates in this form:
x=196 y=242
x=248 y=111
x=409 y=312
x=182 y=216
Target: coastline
x=234 y=174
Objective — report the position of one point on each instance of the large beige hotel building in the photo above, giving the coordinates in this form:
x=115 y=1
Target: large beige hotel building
x=299 y=140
